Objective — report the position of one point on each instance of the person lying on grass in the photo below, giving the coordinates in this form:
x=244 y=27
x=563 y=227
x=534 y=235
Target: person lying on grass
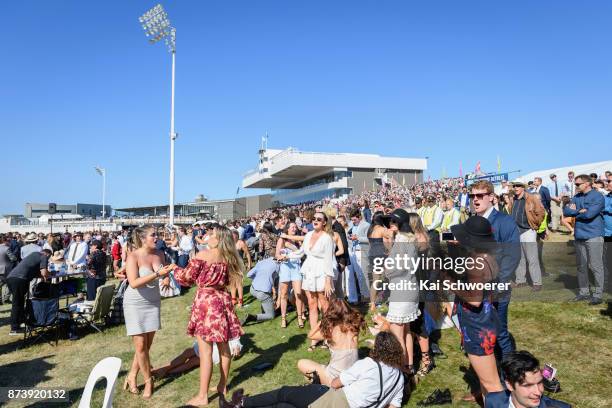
x=339 y=329
x=190 y=359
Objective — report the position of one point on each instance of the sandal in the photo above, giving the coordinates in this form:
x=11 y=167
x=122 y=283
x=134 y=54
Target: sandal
x=283 y=322
x=131 y=388
x=427 y=364
x=300 y=322
x=148 y=380
x=234 y=301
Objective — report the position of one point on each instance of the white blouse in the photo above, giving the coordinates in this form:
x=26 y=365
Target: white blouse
x=320 y=258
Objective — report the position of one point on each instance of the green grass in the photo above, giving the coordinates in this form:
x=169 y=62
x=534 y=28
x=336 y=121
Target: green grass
x=576 y=338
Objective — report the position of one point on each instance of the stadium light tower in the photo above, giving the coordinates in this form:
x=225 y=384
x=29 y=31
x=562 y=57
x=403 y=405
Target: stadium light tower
x=157 y=26
x=102 y=171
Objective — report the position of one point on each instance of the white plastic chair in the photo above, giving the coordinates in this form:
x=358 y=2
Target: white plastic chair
x=109 y=369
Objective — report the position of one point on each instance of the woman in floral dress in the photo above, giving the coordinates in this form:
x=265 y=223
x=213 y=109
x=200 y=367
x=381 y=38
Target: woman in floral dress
x=213 y=319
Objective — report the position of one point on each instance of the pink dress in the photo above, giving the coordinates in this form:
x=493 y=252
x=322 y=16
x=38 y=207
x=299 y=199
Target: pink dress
x=212 y=314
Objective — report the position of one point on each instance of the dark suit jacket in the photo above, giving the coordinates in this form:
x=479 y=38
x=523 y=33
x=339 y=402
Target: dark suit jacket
x=501 y=399
x=545 y=196
x=506 y=233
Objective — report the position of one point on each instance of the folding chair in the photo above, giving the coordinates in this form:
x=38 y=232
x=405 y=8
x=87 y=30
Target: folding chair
x=100 y=310
x=41 y=320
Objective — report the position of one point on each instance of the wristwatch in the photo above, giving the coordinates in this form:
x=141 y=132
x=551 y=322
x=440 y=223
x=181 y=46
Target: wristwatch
x=157 y=274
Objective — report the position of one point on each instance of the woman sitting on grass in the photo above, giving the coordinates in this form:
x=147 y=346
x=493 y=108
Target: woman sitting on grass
x=375 y=381
x=339 y=328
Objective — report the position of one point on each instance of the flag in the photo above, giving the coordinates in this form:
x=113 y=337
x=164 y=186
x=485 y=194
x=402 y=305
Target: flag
x=460 y=170
x=498 y=164
x=237 y=190
x=477 y=169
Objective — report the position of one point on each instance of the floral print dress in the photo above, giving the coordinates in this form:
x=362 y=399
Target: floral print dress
x=212 y=313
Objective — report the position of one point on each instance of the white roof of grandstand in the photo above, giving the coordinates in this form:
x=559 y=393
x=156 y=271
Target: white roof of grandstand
x=597 y=167
x=291 y=165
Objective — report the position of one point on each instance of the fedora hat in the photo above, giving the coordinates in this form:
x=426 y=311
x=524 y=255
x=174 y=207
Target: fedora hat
x=31 y=237
x=518 y=182
x=475 y=232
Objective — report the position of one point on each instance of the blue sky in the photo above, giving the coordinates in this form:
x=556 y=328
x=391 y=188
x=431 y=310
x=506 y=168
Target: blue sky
x=456 y=81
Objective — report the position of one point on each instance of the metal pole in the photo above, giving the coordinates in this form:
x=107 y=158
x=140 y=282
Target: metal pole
x=172 y=138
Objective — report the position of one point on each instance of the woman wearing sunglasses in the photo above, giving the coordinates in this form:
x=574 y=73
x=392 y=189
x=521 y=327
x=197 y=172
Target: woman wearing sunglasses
x=318 y=268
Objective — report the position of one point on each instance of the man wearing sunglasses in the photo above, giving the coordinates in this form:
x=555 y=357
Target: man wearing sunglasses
x=505 y=232
x=587 y=207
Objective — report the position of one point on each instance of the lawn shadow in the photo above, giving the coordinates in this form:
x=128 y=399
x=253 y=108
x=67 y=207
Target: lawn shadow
x=470 y=377
x=271 y=356
x=26 y=373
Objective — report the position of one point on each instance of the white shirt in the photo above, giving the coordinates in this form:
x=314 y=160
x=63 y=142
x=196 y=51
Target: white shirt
x=185 y=245
x=362 y=384
x=29 y=249
x=77 y=253
x=488 y=213
x=320 y=258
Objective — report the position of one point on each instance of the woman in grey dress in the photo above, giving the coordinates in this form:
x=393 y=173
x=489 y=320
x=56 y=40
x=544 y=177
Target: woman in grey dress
x=141 y=303
x=404 y=297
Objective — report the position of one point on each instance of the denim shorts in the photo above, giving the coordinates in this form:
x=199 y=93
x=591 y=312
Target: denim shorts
x=290 y=271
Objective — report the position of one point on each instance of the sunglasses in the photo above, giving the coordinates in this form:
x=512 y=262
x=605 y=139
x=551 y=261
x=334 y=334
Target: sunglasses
x=578 y=184
x=320 y=219
x=478 y=196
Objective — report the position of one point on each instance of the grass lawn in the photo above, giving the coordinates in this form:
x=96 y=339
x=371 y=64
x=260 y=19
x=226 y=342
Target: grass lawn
x=576 y=338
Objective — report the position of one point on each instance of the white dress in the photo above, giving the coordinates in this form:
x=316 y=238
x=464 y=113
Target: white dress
x=319 y=262
x=403 y=303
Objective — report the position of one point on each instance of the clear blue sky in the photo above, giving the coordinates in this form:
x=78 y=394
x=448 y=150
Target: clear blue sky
x=465 y=81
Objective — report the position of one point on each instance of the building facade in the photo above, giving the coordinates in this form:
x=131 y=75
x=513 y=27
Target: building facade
x=35 y=210
x=295 y=176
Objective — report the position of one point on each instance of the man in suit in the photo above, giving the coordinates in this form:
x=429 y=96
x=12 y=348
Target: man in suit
x=524 y=385
x=7 y=260
x=505 y=232
x=544 y=194
x=556 y=191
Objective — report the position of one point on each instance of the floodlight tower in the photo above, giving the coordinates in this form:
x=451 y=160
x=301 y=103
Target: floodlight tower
x=157 y=26
x=102 y=172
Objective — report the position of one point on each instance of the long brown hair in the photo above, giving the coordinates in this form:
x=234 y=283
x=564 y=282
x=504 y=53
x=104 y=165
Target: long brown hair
x=340 y=314
x=229 y=254
x=387 y=350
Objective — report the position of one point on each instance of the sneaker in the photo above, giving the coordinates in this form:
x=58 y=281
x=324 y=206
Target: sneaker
x=580 y=298
x=595 y=301
x=18 y=332
x=246 y=319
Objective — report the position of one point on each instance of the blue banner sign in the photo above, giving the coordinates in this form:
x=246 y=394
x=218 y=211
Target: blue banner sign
x=493 y=178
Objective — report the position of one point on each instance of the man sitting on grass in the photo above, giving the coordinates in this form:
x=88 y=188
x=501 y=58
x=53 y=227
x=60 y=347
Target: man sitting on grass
x=525 y=385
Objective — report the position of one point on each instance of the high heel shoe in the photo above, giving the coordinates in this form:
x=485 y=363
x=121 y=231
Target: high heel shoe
x=131 y=388
x=300 y=322
x=148 y=380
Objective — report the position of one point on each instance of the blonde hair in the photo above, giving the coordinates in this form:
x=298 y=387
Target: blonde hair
x=229 y=254
x=138 y=236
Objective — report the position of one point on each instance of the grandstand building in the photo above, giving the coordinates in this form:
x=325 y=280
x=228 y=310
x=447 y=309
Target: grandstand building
x=295 y=176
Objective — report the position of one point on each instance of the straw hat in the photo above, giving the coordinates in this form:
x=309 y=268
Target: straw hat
x=31 y=237
x=58 y=256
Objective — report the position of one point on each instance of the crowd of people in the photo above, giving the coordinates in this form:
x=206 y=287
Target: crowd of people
x=318 y=259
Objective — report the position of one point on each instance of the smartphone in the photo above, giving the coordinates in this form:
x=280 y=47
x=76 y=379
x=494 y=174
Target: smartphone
x=448 y=236
x=549 y=372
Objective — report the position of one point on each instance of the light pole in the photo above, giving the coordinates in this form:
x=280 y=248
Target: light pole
x=102 y=171
x=157 y=26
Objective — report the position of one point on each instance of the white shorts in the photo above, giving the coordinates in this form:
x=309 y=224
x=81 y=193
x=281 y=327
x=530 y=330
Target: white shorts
x=314 y=284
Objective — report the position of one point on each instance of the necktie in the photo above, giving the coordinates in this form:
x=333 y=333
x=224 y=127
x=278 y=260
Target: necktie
x=75 y=251
x=556 y=189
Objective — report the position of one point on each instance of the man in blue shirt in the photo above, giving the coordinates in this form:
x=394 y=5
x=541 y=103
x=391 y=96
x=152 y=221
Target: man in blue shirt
x=587 y=207
x=607 y=214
